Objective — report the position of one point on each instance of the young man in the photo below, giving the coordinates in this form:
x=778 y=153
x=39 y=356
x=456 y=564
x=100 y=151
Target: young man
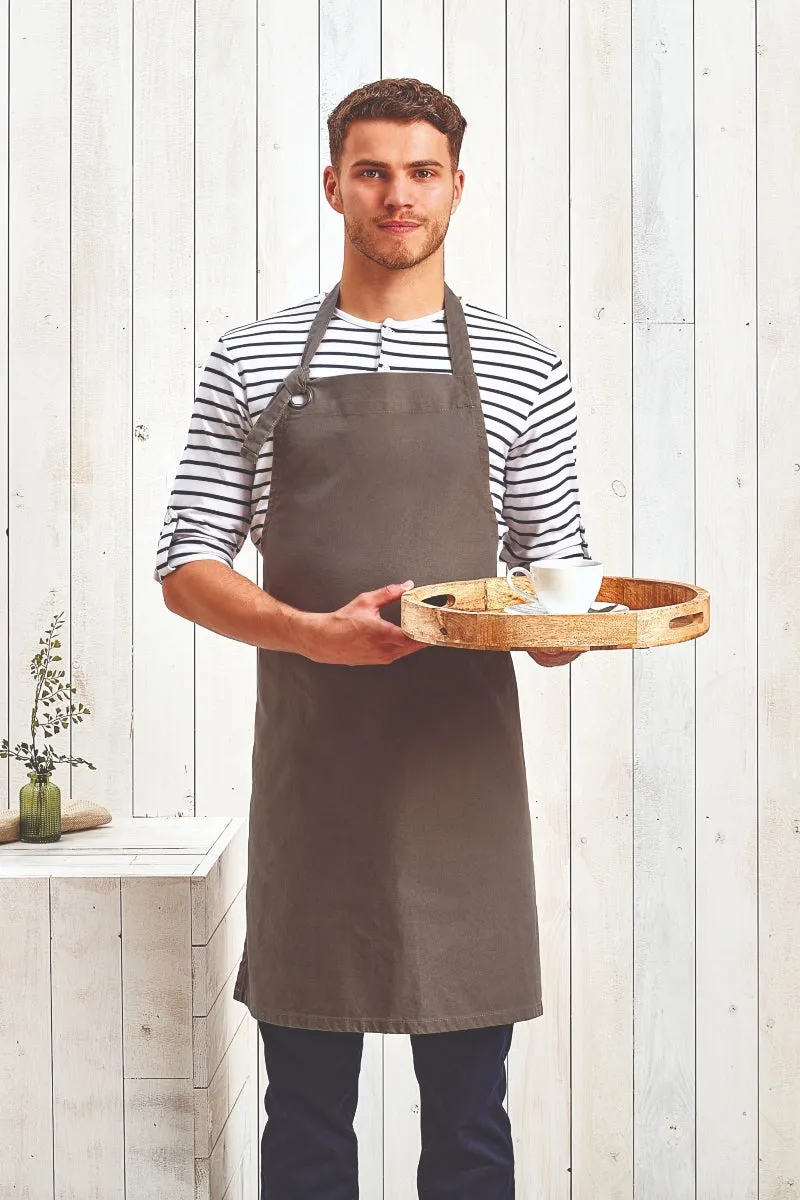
x=381 y=433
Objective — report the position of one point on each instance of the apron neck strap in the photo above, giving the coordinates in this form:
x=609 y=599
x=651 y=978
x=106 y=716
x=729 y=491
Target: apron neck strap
x=455 y=324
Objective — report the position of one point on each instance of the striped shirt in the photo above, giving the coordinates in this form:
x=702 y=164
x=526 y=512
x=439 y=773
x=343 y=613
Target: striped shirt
x=218 y=494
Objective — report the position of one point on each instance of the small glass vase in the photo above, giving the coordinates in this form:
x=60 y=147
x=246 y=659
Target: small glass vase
x=39 y=809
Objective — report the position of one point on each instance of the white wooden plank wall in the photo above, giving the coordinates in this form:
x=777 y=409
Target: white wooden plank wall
x=632 y=174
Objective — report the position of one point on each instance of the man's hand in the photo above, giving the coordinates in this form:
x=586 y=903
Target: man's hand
x=554 y=658
x=357 y=635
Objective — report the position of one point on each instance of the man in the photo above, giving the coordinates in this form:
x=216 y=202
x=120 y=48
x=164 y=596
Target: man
x=373 y=436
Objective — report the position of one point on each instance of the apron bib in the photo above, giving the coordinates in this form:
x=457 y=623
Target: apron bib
x=390 y=883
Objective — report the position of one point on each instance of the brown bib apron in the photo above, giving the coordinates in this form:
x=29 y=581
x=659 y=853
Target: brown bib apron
x=390 y=878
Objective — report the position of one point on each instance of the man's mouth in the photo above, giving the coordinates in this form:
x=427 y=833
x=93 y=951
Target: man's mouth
x=399 y=226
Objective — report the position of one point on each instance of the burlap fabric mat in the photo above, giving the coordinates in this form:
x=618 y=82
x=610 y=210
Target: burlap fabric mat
x=75 y=815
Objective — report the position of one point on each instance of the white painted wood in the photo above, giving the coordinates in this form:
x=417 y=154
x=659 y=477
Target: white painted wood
x=157 y=1002
x=162 y=287
x=236 y=1189
x=537 y=215
x=214 y=962
x=411 y=40
x=100 y=348
x=119 y=992
x=38 y=343
x=778 y=601
x=6 y=795
x=287 y=218
x=88 y=1087
x=217 y=879
x=159 y=1126
x=160 y=835
x=213 y=1174
x=213 y=1033
x=726 y=497
x=213 y=1103
x=601 y=750
x=664 y=795
x=664 y=684
x=26 y=1065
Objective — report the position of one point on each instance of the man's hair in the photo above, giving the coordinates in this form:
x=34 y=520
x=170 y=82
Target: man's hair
x=396 y=100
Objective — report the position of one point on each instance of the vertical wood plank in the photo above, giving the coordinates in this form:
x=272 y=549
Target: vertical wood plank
x=156 y=979
x=664 y=785
x=6 y=796
x=100 y=415
x=163 y=389
x=537 y=257
x=225 y=296
x=727 y=1037
x=664 y=684
x=288 y=213
x=89 y=1144
x=601 y=716
x=159 y=1139
x=778 y=596
x=38 y=350
x=411 y=41
x=475 y=73
x=26 y=1069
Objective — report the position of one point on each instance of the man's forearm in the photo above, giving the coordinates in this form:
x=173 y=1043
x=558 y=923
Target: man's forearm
x=217 y=597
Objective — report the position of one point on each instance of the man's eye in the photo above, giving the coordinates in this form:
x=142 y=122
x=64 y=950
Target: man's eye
x=375 y=171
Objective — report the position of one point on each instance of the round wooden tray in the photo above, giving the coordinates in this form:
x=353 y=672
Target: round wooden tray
x=469 y=614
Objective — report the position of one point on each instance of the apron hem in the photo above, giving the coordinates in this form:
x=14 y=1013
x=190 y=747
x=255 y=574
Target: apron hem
x=505 y=1016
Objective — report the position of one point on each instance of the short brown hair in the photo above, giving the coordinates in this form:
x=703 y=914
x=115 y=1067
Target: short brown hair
x=396 y=100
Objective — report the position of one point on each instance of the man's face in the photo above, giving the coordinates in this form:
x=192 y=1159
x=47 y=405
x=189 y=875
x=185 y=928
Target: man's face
x=395 y=171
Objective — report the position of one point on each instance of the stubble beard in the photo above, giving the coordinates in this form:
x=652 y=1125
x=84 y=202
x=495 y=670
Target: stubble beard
x=365 y=236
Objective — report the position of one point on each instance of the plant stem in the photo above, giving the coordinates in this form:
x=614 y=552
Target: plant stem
x=39 y=685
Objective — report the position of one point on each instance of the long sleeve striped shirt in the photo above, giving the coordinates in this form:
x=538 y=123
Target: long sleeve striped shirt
x=219 y=495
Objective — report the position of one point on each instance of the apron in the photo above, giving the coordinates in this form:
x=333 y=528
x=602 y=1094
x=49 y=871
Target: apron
x=390 y=884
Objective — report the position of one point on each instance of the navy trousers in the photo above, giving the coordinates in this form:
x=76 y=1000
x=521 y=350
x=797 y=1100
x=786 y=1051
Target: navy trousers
x=309 y=1149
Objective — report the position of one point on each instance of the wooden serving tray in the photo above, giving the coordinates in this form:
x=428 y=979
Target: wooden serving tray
x=469 y=613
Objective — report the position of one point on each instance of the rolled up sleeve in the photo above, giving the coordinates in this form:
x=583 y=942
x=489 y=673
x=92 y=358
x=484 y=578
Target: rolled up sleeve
x=209 y=511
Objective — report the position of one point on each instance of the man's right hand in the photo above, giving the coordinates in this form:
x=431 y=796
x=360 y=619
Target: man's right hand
x=357 y=635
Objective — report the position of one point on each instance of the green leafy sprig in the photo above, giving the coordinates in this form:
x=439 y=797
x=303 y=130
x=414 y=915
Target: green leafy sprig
x=51 y=689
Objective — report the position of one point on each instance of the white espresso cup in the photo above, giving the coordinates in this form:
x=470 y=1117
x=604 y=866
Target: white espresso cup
x=562 y=585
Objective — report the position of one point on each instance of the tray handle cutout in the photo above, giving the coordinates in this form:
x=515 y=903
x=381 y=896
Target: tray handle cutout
x=688 y=619
x=443 y=601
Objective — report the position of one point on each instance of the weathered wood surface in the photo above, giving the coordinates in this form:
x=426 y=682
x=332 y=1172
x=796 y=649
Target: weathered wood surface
x=470 y=614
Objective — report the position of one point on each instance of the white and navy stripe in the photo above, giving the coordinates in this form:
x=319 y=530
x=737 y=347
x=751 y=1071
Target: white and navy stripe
x=218 y=495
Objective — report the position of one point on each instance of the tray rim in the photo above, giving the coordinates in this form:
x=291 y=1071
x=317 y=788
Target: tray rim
x=625 y=623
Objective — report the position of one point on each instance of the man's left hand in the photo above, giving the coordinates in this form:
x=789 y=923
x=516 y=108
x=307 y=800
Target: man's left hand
x=554 y=658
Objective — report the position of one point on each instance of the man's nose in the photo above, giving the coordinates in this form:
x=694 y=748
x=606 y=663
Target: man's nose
x=399 y=194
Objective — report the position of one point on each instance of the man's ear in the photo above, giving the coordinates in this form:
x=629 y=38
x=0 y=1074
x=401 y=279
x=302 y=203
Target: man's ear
x=330 y=186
